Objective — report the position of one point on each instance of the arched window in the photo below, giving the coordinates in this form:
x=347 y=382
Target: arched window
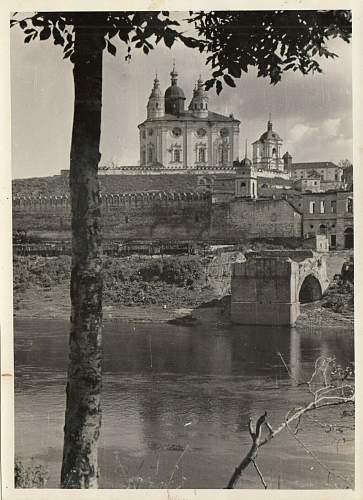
x=243 y=184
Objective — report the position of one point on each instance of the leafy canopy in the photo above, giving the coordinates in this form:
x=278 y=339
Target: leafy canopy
x=271 y=41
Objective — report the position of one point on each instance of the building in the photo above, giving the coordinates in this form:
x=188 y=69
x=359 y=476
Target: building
x=348 y=177
x=173 y=138
x=329 y=213
x=330 y=174
x=309 y=184
x=266 y=155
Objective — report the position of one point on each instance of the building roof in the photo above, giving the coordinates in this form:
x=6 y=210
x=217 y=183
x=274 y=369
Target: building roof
x=269 y=135
x=314 y=165
x=188 y=116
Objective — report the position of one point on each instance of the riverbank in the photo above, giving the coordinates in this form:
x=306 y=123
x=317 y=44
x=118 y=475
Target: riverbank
x=54 y=303
x=143 y=289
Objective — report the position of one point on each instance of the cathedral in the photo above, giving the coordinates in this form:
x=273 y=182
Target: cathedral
x=174 y=138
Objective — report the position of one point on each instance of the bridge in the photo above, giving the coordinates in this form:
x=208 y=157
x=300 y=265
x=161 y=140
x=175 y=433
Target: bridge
x=269 y=286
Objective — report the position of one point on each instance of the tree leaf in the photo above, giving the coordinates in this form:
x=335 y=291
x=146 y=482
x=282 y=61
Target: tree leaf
x=111 y=48
x=169 y=38
x=23 y=24
x=219 y=87
x=28 y=38
x=45 y=33
x=234 y=70
x=209 y=83
x=229 y=81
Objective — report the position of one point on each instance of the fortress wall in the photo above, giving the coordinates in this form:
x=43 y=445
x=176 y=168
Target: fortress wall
x=153 y=215
x=241 y=219
x=126 y=216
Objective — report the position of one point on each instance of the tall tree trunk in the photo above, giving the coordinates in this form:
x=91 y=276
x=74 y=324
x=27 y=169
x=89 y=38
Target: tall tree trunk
x=83 y=412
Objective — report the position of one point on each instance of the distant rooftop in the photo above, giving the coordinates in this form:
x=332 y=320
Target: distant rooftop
x=314 y=165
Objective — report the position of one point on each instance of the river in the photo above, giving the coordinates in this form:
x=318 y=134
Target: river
x=176 y=403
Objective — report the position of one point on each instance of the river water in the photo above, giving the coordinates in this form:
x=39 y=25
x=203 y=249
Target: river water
x=176 y=403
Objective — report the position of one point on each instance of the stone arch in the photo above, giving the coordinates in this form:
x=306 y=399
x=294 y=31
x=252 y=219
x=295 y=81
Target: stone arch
x=310 y=289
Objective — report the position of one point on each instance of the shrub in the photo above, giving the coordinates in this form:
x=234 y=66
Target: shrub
x=30 y=476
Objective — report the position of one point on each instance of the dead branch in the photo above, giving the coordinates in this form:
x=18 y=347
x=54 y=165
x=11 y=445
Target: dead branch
x=322 y=397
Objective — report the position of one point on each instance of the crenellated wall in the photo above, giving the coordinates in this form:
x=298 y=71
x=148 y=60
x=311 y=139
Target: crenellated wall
x=164 y=216
x=143 y=215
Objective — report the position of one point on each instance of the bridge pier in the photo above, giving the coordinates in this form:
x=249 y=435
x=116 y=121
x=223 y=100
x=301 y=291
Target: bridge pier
x=265 y=289
x=263 y=292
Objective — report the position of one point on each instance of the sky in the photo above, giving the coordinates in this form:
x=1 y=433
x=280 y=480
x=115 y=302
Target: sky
x=312 y=114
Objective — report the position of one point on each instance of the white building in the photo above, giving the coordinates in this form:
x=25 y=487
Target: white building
x=266 y=155
x=197 y=139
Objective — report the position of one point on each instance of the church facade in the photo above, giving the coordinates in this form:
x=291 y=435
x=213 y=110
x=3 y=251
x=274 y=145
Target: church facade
x=173 y=138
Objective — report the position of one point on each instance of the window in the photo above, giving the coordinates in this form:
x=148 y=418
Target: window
x=224 y=155
x=350 y=205
x=143 y=157
x=311 y=226
x=333 y=240
x=243 y=184
x=322 y=207
x=312 y=207
x=333 y=207
x=126 y=219
x=150 y=155
x=177 y=155
x=201 y=155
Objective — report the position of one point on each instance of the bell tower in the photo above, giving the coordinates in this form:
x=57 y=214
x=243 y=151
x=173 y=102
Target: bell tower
x=246 y=179
x=199 y=104
x=155 y=105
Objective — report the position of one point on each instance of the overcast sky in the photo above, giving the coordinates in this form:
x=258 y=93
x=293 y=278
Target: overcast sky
x=312 y=114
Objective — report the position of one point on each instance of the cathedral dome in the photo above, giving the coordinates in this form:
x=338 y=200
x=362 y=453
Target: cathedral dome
x=174 y=92
x=174 y=96
x=270 y=134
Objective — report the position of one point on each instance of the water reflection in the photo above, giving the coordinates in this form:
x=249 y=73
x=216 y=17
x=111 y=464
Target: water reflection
x=167 y=387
